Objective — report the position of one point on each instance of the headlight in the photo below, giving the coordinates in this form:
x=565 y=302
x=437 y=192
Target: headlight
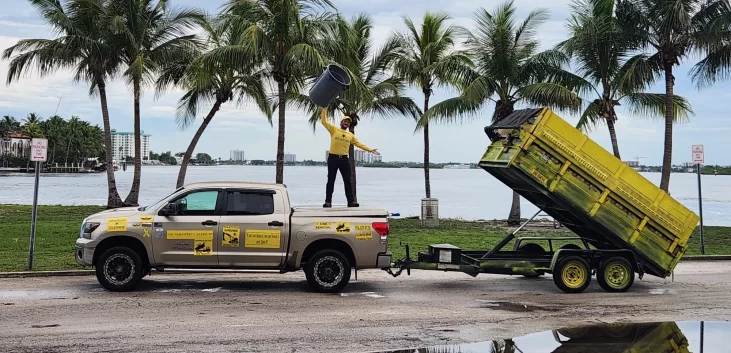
x=87 y=228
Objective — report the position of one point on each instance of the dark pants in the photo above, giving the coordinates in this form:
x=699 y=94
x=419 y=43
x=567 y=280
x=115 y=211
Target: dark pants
x=335 y=163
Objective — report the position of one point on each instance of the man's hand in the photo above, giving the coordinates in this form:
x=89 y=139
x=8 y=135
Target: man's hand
x=375 y=151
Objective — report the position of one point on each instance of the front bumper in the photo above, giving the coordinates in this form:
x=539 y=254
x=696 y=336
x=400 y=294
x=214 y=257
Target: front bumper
x=384 y=260
x=83 y=253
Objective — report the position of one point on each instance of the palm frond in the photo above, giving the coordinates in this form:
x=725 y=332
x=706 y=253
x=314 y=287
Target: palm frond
x=449 y=111
x=638 y=73
x=551 y=95
x=652 y=105
x=590 y=118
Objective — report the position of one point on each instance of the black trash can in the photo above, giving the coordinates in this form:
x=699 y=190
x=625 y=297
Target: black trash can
x=329 y=85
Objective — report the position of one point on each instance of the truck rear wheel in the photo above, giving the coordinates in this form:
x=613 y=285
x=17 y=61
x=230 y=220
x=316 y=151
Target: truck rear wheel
x=119 y=269
x=572 y=274
x=328 y=271
x=616 y=275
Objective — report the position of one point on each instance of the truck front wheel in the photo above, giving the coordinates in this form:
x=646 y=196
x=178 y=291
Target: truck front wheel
x=119 y=269
x=328 y=271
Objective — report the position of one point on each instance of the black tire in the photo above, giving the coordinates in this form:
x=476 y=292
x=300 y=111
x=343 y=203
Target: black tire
x=616 y=275
x=119 y=269
x=532 y=249
x=328 y=271
x=572 y=274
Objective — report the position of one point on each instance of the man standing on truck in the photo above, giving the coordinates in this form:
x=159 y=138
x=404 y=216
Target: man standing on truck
x=340 y=141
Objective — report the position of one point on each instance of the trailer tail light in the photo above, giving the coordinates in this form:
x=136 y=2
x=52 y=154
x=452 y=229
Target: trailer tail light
x=382 y=229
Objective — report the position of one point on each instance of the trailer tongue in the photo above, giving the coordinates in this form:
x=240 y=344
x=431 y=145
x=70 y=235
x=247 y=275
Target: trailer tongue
x=624 y=223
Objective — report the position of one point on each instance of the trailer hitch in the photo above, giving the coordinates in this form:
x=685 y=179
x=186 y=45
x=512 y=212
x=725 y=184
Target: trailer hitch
x=402 y=264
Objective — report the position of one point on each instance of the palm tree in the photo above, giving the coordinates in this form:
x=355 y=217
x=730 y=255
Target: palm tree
x=151 y=35
x=290 y=36
x=7 y=125
x=54 y=129
x=669 y=31
x=83 y=46
x=32 y=118
x=375 y=90
x=508 y=71
x=428 y=60
x=208 y=81
x=600 y=49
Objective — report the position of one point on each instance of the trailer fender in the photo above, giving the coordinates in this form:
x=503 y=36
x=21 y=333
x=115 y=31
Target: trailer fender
x=561 y=253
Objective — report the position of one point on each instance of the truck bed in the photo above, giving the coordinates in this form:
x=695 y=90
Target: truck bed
x=335 y=211
x=590 y=191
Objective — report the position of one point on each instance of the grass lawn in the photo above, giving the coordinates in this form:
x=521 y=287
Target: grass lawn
x=58 y=228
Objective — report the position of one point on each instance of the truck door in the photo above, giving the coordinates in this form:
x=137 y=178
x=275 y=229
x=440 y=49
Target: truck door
x=254 y=228
x=189 y=237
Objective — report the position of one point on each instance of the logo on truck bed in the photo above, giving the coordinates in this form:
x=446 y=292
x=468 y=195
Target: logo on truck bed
x=323 y=225
x=342 y=228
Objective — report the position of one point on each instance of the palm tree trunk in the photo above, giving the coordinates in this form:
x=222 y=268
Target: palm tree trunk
x=113 y=199
x=502 y=111
x=669 y=115
x=427 y=182
x=134 y=192
x=613 y=134
x=351 y=157
x=194 y=142
x=280 y=138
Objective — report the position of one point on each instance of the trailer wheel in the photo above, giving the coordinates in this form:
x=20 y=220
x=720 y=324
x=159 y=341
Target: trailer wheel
x=572 y=274
x=615 y=275
x=328 y=271
x=532 y=249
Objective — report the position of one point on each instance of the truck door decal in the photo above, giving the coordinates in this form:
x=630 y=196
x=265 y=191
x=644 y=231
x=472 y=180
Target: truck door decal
x=265 y=239
x=231 y=236
x=117 y=224
x=190 y=234
x=203 y=247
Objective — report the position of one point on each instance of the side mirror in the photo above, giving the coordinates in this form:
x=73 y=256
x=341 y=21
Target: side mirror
x=170 y=209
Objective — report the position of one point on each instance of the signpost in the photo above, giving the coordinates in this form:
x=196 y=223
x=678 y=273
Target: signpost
x=38 y=154
x=698 y=160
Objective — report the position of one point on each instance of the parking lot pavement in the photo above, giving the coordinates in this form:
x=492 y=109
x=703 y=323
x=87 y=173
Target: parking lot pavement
x=273 y=312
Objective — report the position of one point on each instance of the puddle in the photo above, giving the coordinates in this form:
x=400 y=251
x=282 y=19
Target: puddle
x=514 y=307
x=653 y=337
x=659 y=291
x=365 y=294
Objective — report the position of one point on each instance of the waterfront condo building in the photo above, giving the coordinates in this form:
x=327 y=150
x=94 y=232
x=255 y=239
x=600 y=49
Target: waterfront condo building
x=290 y=158
x=237 y=156
x=123 y=145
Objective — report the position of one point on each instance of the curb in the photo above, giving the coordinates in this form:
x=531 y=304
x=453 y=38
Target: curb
x=706 y=258
x=46 y=273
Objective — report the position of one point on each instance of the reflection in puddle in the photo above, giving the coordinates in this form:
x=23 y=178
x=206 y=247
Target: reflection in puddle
x=365 y=294
x=662 y=337
x=661 y=291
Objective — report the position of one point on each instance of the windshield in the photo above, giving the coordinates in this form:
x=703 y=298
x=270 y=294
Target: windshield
x=145 y=208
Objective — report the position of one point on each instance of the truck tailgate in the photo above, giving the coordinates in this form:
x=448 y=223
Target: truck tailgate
x=588 y=189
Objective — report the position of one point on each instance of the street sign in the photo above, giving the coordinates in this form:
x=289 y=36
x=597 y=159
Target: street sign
x=698 y=154
x=38 y=150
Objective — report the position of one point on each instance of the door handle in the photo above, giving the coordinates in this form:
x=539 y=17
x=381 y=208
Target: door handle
x=276 y=223
x=209 y=223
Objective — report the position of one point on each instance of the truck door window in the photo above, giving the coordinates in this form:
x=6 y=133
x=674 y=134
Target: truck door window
x=202 y=203
x=248 y=203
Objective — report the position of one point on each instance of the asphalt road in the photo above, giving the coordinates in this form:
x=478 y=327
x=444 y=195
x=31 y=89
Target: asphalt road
x=276 y=313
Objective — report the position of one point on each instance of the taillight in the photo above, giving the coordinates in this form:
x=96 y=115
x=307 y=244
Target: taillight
x=381 y=228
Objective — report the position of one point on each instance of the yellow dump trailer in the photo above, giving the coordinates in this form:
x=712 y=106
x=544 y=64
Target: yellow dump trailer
x=624 y=224
x=590 y=191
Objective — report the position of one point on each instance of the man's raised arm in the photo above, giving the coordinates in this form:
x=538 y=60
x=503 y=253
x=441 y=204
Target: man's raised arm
x=323 y=119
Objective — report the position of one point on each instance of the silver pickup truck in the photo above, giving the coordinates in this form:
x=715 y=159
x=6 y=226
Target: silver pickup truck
x=233 y=226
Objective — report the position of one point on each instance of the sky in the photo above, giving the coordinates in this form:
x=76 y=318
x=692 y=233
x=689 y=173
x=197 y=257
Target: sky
x=640 y=138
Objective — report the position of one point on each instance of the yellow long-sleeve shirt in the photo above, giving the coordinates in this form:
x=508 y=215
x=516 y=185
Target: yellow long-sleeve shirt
x=340 y=140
